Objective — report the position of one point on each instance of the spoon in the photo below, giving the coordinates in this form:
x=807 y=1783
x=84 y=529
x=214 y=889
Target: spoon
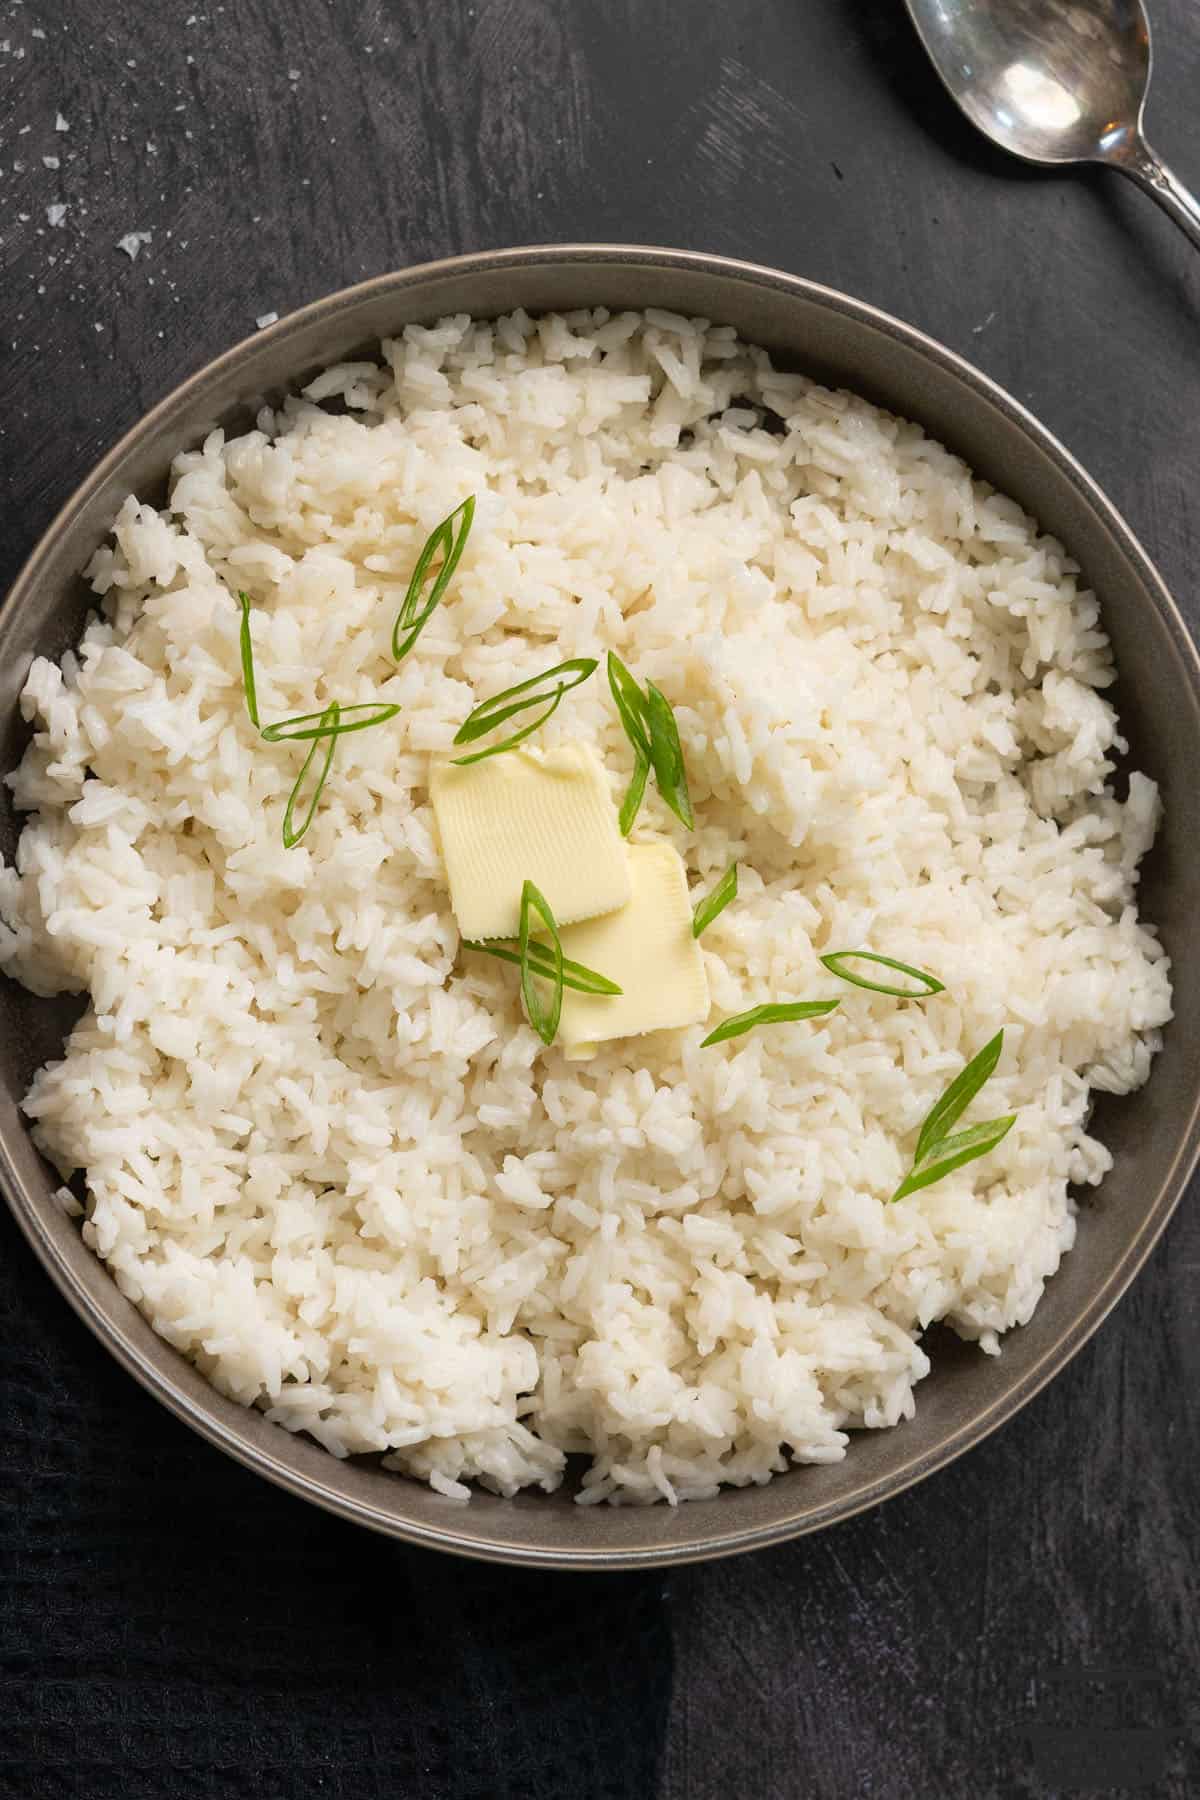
x=1055 y=81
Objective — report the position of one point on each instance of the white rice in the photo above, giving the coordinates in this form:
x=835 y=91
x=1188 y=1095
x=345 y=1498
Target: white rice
x=330 y=1161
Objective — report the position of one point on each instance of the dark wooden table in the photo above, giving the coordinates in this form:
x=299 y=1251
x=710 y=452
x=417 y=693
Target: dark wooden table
x=1026 y=1622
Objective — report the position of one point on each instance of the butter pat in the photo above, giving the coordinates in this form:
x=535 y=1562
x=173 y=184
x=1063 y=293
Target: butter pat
x=648 y=949
x=528 y=815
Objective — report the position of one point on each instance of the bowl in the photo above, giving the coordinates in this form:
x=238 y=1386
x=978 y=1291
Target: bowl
x=1154 y=1135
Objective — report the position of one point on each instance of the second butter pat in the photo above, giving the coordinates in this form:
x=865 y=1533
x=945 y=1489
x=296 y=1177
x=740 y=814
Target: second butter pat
x=541 y=816
x=647 y=949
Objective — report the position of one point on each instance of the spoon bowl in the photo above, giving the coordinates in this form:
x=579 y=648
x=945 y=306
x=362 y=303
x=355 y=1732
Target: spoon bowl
x=1054 y=82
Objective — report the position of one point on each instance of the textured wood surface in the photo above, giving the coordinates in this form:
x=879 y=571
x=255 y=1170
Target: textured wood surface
x=1026 y=1622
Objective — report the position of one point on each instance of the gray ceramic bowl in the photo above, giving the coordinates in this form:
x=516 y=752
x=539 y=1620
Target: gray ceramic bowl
x=1153 y=1135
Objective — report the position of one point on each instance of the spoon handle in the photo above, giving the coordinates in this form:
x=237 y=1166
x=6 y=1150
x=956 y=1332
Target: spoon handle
x=1151 y=173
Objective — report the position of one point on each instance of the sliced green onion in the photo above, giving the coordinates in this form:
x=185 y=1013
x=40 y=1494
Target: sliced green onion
x=631 y=704
x=631 y=708
x=447 y=540
x=950 y=1153
x=634 y=795
x=491 y=713
x=943 y=1114
x=314 y=724
x=248 y=684
x=716 y=902
x=666 y=754
x=930 y=984
x=544 y=1019
x=777 y=1014
x=650 y=727
x=575 y=975
x=518 y=737
x=292 y=834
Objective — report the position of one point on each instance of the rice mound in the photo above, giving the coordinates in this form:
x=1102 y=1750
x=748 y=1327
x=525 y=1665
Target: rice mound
x=327 y=1157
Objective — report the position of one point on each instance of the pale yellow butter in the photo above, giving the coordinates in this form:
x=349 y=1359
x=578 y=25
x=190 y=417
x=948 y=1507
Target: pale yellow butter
x=647 y=949
x=528 y=815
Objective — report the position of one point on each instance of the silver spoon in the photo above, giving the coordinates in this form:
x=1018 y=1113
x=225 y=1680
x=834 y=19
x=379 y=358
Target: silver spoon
x=1056 y=81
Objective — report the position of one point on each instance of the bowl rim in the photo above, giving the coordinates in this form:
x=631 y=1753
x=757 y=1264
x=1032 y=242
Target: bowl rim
x=872 y=1491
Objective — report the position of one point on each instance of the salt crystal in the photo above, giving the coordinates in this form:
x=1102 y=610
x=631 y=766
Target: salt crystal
x=293 y=74
x=132 y=242
x=37 y=32
x=50 y=162
x=55 y=214
x=266 y=319
x=60 y=124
